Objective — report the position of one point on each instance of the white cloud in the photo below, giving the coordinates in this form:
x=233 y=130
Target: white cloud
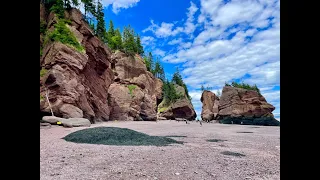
x=237 y=12
x=250 y=32
x=158 y=52
x=271 y=96
x=208 y=8
x=213 y=57
x=167 y=29
x=204 y=36
x=184 y=45
x=117 y=5
x=196 y=96
x=267 y=74
x=189 y=26
x=191 y=11
x=175 y=41
x=164 y=30
x=147 y=40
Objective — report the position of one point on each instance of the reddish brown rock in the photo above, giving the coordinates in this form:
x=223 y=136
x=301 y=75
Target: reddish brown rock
x=158 y=89
x=77 y=79
x=42 y=12
x=141 y=103
x=181 y=108
x=124 y=105
x=94 y=84
x=70 y=111
x=210 y=103
x=238 y=102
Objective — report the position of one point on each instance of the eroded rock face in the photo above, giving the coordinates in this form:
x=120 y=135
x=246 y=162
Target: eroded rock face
x=95 y=84
x=125 y=105
x=246 y=106
x=236 y=102
x=182 y=108
x=210 y=103
x=77 y=82
x=140 y=102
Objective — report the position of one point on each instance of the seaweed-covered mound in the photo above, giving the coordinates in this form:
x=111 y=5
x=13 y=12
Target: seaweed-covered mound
x=117 y=136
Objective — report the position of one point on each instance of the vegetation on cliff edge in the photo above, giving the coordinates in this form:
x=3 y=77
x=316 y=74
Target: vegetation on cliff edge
x=131 y=88
x=43 y=72
x=170 y=93
x=244 y=86
x=63 y=34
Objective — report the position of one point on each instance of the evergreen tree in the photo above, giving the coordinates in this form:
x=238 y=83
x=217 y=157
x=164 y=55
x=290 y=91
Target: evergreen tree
x=111 y=31
x=92 y=26
x=162 y=74
x=157 y=68
x=75 y=2
x=202 y=88
x=111 y=39
x=117 y=40
x=169 y=92
x=178 y=80
x=58 y=8
x=133 y=41
x=129 y=44
x=208 y=88
x=218 y=93
x=67 y=4
x=150 y=58
x=139 y=46
x=89 y=6
x=101 y=29
x=125 y=36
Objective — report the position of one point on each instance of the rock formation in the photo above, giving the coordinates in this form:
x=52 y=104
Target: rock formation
x=95 y=84
x=134 y=93
x=77 y=82
x=181 y=108
x=242 y=106
x=210 y=103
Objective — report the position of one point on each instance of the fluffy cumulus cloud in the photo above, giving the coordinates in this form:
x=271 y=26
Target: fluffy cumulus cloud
x=169 y=29
x=117 y=5
x=236 y=40
x=147 y=40
x=164 y=29
x=158 y=52
x=175 y=41
x=189 y=26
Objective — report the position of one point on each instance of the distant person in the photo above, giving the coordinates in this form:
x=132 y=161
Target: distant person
x=199 y=122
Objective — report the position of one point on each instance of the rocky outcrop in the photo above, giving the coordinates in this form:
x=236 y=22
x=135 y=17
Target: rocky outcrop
x=70 y=122
x=241 y=106
x=134 y=93
x=210 y=103
x=181 y=108
x=77 y=82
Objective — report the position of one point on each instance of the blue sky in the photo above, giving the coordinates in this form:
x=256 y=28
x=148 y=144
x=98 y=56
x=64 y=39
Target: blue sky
x=210 y=41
